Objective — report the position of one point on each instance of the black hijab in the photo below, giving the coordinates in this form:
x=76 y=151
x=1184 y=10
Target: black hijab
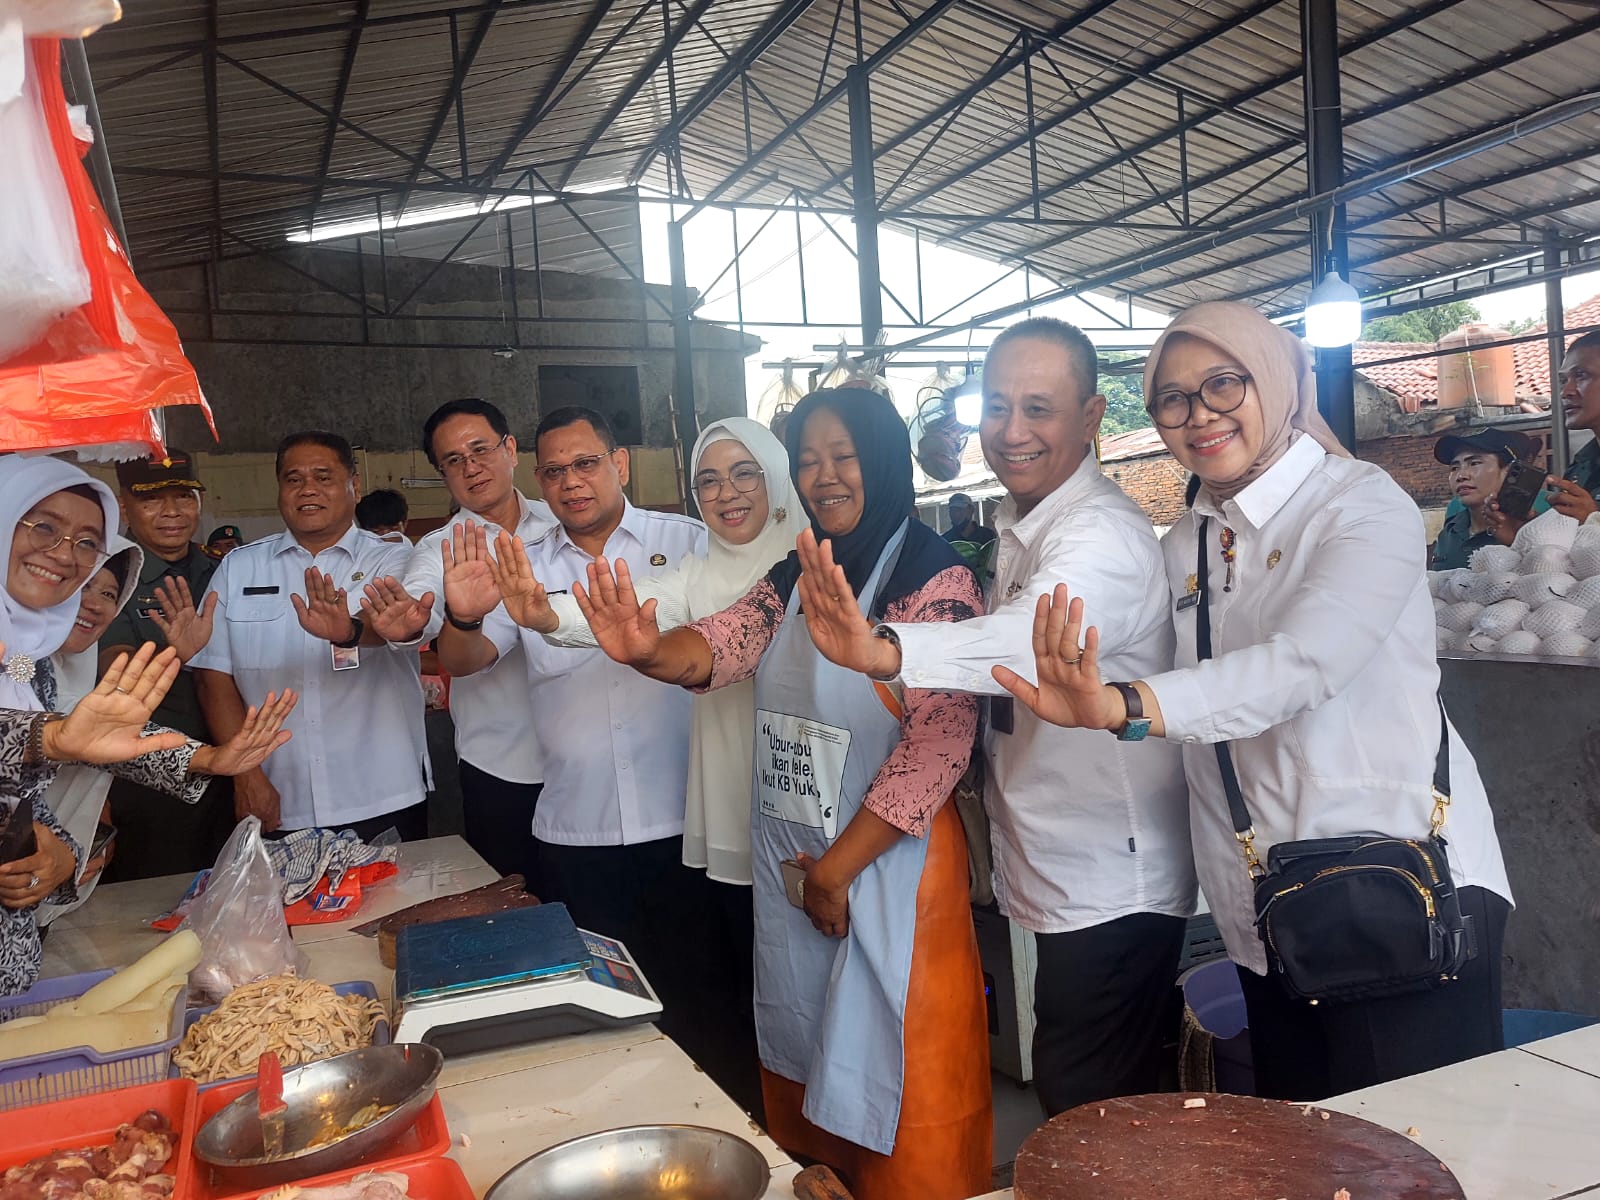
x=883 y=448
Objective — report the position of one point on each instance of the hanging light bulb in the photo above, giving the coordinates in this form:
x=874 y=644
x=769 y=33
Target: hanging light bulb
x=969 y=402
x=1333 y=311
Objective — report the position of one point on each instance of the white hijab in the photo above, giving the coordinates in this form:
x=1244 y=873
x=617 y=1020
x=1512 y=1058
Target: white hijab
x=76 y=674
x=727 y=571
x=37 y=632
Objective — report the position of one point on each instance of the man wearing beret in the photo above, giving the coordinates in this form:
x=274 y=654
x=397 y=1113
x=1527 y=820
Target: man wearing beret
x=156 y=834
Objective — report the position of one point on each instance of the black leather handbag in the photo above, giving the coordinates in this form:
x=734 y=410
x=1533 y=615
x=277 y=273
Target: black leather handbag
x=1357 y=917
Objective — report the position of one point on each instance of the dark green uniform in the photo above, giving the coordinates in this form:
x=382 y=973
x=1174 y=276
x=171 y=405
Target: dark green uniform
x=1456 y=542
x=157 y=834
x=1585 y=469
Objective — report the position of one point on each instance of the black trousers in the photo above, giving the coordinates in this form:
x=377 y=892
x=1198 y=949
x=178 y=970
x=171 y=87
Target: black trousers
x=158 y=834
x=693 y=938
x=1309 y=1052
x=498 y=816
x=1103 y=1009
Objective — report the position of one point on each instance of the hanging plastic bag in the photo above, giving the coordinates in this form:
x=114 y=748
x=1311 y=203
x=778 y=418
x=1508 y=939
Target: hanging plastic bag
x=239 y=918
x=100 y=371
x=42 y=276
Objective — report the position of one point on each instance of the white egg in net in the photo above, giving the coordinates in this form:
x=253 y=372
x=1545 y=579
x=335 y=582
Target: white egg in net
x=1567 y=645
x=1585 y=552
x=1494 y=558
x=1518 y=641
x=1586 y=594
x=1497 y=620
x=1459 y=616
x=1546 y=560
x=1553 y=616
x=1458 y=586
x=1590 y=626
x=1536 y=589
x=1490 y=588
x=1446 y=639
x=1436 y=582
x=1549 y=528
x=1479 y=643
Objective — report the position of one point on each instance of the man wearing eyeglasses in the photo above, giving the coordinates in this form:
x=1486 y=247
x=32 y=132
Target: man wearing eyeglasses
x=1091 y=834
x=469 y=443
x=609 y=829
x=157 y=834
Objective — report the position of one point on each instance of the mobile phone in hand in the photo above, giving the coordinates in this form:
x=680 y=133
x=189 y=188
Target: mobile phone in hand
x=794 y=878
x=1522 y=485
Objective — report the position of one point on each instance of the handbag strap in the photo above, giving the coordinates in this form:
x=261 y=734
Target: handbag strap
x=1238 y=812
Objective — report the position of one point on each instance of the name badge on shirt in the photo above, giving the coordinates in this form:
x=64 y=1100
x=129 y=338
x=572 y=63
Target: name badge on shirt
x=1185 y=603
x=346 y=658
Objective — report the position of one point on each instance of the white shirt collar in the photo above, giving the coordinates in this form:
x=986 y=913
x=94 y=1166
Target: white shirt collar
x=633 y=522
x=1260 y=501
x=347 y=543
x=1043 y=514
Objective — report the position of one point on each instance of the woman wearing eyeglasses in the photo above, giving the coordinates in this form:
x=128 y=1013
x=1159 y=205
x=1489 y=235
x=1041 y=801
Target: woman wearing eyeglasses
x=1305 y=645
x=60 y=519
x=740 y=478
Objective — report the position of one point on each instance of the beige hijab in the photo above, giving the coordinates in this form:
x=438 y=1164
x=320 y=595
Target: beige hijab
x=1279 y=367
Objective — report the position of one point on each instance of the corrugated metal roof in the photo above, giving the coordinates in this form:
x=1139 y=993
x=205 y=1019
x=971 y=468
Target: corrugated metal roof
x=347 y=107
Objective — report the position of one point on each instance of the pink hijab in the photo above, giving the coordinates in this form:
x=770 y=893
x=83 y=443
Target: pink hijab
x=1280 y=371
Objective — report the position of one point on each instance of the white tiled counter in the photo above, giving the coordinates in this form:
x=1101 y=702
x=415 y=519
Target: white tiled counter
x=501 y=1105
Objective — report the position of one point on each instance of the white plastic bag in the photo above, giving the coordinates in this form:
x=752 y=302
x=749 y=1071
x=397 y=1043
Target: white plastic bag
x=42 y=275
x=239 y=918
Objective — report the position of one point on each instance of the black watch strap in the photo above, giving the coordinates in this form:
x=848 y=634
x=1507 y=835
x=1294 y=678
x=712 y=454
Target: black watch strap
x=464 y=626
x=1130 y=698
x=357 y=628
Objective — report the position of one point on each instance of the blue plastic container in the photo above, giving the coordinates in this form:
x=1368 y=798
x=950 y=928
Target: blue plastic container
x=1213 y=994
x=1524 y=1025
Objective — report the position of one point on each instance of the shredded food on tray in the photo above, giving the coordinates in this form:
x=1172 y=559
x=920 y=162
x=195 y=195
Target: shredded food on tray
x=301 y=1020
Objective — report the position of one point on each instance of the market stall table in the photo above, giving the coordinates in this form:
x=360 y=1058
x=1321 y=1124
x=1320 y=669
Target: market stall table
x=501 y=1105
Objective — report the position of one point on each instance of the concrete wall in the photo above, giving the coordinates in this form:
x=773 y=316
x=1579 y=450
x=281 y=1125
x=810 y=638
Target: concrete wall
x=279 y=344
x=1535 y=730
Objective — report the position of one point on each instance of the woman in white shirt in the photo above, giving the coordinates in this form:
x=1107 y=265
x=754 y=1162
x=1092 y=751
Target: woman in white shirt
x=1324 y=683
x=741 y=480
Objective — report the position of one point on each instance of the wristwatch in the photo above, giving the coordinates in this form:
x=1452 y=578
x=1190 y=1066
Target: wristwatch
x=464 y=626
x=1137 y=727
x=357 y=628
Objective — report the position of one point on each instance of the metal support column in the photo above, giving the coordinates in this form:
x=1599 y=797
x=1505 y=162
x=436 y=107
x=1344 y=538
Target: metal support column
x=81 y=85
x=864 y=190
x=688 y=429
x=1319 y=49
x=1555 y=322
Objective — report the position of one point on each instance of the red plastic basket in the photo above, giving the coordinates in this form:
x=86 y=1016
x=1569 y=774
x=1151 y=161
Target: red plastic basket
x=426 y=1140
x=431 y=1179
x=26 y=1133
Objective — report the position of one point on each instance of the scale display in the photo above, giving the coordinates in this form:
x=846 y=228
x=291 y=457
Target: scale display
x=481 y=983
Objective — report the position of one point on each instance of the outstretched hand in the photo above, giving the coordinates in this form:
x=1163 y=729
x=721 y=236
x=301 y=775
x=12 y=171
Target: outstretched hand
x=470 y=593
x=833 y=616
x=523 y=595
x=261 y=733
x=106 y=726
x=1070 y=692
x=392 y=612
x=186 y=629
x=627 y=632
x=325 y=611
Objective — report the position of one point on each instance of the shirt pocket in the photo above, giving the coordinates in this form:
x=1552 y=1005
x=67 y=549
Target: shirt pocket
x=256 y=628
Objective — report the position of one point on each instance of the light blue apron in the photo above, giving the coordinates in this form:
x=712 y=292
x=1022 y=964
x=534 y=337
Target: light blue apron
x=830 y=1013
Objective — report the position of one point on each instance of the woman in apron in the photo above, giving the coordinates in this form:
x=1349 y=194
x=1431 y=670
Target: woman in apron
x=1319 y=676
x=869 y=999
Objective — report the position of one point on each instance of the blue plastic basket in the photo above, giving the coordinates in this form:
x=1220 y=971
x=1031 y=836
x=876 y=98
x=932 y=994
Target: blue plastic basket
x=80 y=1071
x=357 y=987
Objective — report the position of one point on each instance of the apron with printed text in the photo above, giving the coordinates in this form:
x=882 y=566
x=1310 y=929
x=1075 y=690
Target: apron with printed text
x=830 y=1012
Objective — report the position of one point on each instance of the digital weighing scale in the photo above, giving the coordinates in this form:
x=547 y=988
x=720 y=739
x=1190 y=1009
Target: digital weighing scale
x=481 y=983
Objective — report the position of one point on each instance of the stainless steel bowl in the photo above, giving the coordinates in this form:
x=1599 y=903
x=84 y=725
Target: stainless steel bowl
x=642 y=1162
x=324 y=1097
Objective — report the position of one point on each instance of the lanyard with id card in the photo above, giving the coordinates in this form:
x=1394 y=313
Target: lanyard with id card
x=346 y=658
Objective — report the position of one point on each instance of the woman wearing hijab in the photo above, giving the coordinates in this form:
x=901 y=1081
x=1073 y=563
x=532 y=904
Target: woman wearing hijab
x=1321 y=680
x=869 y=1003
x=77 y=795
x=741 y=480
x=60 y=519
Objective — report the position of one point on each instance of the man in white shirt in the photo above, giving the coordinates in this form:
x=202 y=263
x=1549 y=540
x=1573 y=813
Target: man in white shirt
x=470 y=444
x=609 y=827
x=285 y=618
x=1091 y=835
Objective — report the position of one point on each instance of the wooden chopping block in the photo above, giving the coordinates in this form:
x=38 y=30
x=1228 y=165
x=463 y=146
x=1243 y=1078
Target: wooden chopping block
x=1234 y=1148
x=502 y=895
x=820 y=1183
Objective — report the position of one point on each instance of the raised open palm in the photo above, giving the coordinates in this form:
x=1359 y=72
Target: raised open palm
x=106 y=726
x=1070 y=691
x=186 y=628
x=626 y=631
x=392 y=612
x=470 y=592
x=325 y=612
x=523 y=595
x=833 y=617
